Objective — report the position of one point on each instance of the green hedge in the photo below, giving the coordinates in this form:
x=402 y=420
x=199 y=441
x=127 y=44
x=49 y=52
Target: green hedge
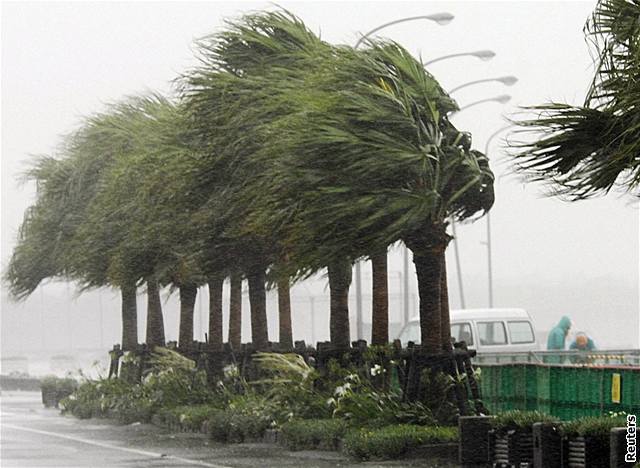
x=235 y=426
x=395 y=441
x=322 y=434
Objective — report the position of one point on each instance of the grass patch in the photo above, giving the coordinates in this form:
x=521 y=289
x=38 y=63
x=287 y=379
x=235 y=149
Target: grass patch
x=517 y=419
x=394 y=441
x=599 y=427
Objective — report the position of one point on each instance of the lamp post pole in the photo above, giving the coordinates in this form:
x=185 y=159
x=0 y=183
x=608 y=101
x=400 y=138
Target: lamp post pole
x=489 y=260
x=502 y=99
x=507 y=81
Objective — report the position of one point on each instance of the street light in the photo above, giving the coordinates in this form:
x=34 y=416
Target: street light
x=489 y=264
x=502 y=99
x=438 y=18
x=505 y=80
x=481 y=54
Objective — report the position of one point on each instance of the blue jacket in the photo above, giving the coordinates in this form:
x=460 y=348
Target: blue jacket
x=590 y=345
x=558 y=334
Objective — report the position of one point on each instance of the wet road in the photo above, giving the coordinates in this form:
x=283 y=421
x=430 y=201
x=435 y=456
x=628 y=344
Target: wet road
x=32 y=436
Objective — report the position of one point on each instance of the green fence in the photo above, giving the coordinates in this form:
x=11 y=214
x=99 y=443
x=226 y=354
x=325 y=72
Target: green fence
x=567 y=392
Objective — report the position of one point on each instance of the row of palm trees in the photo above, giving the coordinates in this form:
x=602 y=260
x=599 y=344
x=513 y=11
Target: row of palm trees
x=280 y=156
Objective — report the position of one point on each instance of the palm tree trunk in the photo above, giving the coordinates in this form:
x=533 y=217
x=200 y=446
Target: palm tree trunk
x=380 y=306
x=428 y=268
x=215 y=312
x=155 y=321
x=235 y=312
x=284 y=314
x=428 y=249
x=188 y=293
x=129 y=317
x=339 y=282
x=258 y=302
x=445 y=323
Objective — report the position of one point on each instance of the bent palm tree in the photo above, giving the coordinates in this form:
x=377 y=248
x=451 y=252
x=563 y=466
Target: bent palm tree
x=351 y=151
x=584 y=151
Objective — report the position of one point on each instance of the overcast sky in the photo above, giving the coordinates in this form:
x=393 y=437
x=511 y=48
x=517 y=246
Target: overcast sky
x=61 y=61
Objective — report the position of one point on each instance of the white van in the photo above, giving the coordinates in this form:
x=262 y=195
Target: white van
x=485 y=330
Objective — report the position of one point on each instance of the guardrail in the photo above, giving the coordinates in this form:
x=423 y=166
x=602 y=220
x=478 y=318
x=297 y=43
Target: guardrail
x=611 y=357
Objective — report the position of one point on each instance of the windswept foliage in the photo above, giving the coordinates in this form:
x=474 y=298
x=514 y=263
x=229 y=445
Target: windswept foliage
x=584 y=151
x=284 y=153
x=349 y=149
x=330 y=153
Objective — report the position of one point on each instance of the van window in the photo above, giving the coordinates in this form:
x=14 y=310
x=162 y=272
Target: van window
x=520 y=332
x=462 y=332
x=492 y=333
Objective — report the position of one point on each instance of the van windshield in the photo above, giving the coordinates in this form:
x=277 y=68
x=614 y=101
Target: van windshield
x=411 y=332
x=462 y=332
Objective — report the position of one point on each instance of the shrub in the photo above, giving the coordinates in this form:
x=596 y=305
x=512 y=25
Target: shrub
x=54 y=389
x=95 y=398
x=310 y=434
x=290 y=386
x=394 y=441
x=516 y=419
x=235 y=426
x=436 y=395
x=360 y=404
x=57 y=384
x=189 y=418
x=598 y=427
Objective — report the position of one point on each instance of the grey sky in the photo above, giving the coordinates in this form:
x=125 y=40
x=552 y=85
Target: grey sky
x=61 y=61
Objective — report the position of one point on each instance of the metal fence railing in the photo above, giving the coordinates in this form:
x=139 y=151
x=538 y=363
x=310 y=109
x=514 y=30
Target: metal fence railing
x=619 y=357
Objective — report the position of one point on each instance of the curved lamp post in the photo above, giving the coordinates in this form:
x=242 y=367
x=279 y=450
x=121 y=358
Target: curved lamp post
x=505 y=80
x=502 y=99
x=481 y=54
x=489 y=264
x=438 y=18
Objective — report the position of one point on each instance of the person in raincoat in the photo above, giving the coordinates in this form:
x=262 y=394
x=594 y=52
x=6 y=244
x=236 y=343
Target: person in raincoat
x=582 y=343
x=557 y=337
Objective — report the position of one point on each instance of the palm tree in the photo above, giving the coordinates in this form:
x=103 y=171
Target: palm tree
x=48 y=245
x=121 y=231
x=349 y=151
x=225 y=111
x=585 y=151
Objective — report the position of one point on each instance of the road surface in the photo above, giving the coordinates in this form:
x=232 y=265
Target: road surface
x=32 y=436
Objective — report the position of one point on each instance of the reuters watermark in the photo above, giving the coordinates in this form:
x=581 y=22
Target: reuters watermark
x=632 y=447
